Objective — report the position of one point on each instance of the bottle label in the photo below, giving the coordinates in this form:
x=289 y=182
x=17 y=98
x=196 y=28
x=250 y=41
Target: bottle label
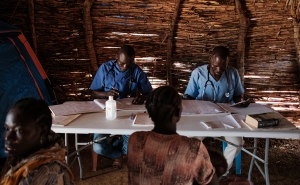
x=108 y=112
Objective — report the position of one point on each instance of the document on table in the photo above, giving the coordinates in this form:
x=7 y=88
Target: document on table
x=229 y=121
x=142 y=119
x=224 y=121
x=200 y=107
x=253 y=108
x=75 y=107
x=122 y=104
x=63 y=120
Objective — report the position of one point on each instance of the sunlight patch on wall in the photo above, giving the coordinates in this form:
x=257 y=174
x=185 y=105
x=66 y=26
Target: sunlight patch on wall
x=134 y=34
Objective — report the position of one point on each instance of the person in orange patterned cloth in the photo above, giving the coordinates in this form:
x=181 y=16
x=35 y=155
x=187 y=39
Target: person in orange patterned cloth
x=162 y=156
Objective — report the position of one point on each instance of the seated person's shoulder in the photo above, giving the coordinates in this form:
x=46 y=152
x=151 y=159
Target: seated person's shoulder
x=138 y=135
x=54 y=172
x=191 y=139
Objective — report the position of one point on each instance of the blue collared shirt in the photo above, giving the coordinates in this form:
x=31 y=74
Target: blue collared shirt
x=230 y=82
x=109 y=76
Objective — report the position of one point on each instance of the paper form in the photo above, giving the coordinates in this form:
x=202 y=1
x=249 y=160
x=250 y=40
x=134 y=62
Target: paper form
x=229 y=121
x=200 y=107
x=75 y=107
x=253 y=108
x=142 y=119
x=63 y=120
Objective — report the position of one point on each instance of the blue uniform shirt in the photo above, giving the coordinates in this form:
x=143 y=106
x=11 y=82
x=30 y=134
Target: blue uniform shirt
x=109 y=75
x=230 y=82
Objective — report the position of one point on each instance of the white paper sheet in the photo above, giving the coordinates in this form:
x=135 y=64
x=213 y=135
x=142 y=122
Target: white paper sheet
x=64 y=120
x=75 y=107
x=229 y=121
x=253 y=108
x=200 y=107
x=142 y=119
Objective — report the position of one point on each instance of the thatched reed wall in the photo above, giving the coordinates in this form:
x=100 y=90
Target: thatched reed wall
x=72 y=38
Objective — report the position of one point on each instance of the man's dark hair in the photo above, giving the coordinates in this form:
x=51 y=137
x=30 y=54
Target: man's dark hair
x=162 y=103
x=221 y=51
x=127 y=50
x=34 y=110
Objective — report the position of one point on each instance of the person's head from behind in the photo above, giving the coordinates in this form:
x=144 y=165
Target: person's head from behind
x=125 y=57
x=219 y=162
x=164 y=108
x=28 y=124
x=218 y=61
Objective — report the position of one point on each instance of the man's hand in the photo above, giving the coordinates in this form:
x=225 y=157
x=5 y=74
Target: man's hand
x=138 y=100
x=113 y=92
x=244 y=103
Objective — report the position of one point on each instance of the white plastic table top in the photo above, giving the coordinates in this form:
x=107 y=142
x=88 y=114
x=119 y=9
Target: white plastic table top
x=188 y=126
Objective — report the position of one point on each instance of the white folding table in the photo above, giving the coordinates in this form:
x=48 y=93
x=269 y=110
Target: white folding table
x=188 y=126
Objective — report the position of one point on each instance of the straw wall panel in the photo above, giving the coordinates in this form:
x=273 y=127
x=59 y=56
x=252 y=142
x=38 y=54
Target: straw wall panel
x=271 y=55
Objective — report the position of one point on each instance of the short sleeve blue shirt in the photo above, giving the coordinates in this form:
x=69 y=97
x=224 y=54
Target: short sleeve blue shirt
x=109 y=76
x=202 y=86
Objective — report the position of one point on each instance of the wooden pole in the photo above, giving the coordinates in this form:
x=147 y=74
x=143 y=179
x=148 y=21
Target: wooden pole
x=297 y=44
x=241 y=46
x=88 y=29
x=170 y=43
x=32 y=27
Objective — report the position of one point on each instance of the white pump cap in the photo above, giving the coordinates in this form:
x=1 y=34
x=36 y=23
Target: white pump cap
x=110 y=98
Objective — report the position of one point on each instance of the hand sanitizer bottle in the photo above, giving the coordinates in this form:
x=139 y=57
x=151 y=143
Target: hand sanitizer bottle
x=111 y=108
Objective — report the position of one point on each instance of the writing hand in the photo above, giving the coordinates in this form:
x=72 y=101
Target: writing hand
x=138 y=100
x=244 y=103
x=113 y=92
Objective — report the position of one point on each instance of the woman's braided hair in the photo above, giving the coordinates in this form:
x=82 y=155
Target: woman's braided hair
x=162 y=103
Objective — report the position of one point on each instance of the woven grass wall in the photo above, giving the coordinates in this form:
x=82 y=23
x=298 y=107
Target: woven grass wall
x=271 y=72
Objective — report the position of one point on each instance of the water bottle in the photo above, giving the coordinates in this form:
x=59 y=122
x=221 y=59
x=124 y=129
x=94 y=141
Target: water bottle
x=111 y=108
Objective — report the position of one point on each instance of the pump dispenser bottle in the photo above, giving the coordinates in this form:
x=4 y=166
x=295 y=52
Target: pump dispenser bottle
x=111 y=108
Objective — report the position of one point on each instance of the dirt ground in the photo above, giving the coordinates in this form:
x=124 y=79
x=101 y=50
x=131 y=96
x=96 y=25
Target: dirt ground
x=284 y=163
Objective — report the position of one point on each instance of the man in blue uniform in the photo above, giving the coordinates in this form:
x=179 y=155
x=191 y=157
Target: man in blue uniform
x=119 y=78
x=219 y=83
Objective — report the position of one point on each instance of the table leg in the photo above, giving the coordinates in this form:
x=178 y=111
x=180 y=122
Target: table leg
x=79 y=158
x=66 y=144
x=252 y=160
x=265 y=172
x=267 y=161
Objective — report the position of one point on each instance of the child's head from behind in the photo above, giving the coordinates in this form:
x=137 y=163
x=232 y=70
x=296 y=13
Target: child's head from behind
x=219 y=162
x=163 y=103
x=27 y=125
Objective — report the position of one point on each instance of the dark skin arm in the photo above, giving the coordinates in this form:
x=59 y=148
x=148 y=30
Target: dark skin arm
x=102 y=94
x=139 y=98
x=237 y=99
x=187 y=97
